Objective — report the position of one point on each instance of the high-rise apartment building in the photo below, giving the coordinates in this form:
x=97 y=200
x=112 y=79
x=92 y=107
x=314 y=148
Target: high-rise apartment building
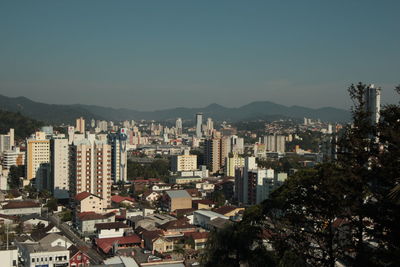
x=119 y=157
x=90 y=169
x=233 y=161
x=7 y=141
x=209 y=127
x=13 y=157
x=373 y=103
x=80 y=125
x=199 y=123
x=59 y=168
x=38 y=158
x=178 y=126
x=253 y=184
x=212 y=154
x=275 y=143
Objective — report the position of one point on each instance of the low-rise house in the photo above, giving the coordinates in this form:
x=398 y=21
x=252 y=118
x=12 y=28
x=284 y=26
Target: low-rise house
x=87 y=202
x=150 y=196
x=78 y=257
x=203 y=204
x=54 y=240
x=87 y=220
x=203 y=217
x=111 y=229
x=198 y=239
x=155 y=241
x=120 y=200
x=20 y=208
x=8 y=219
x=177 y=228
x=229 y=211
x=33 y=221
x=111 y=245
x=205 y=186
x=176 y=199
x=160 y=187
x=41 y=233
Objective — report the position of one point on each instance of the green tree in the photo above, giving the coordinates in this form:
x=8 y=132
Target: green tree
x=237 y=244
x=14 y=176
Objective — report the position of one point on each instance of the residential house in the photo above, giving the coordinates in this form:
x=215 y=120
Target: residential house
x=150 y=196
x=87 y=202
x=111 y=245
x=199 y=239
x=86 y=221
x=111 y=229
x=20 y=207
x=203 y=204
x=78 y=257
x=229 y=211
x=122 y=201
x=155 y=241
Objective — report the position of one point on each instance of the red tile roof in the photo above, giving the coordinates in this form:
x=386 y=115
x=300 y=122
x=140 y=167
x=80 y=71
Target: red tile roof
x=106 y=244
x=81 y=196
x=21 y=204
x=119 y=199
x=177 y=224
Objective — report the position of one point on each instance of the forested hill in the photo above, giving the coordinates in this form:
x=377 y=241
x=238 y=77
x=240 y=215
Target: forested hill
x=22 y=125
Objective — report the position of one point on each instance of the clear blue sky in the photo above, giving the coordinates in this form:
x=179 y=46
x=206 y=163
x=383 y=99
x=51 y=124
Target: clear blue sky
x=156 y=54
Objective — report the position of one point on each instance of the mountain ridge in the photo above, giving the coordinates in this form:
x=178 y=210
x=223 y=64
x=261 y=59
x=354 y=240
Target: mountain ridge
x=56 y=113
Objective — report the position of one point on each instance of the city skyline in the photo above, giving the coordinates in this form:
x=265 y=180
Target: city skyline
x=146 y=57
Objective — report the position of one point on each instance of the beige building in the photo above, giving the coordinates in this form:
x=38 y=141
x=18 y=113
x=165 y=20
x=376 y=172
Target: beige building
x=233 y=161
x=91 y=169
x=177 y=199
x=80 y=125
x=37 y=157
x=7 y=141
x=87 y=202
x=216 y=151
x=184 y=162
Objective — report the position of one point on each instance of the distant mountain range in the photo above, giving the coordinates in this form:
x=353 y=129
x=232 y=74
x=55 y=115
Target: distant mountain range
x=52 y=113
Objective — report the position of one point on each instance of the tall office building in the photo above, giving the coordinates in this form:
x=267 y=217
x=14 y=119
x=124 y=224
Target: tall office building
x=178 y=126
x=90 y=169
x=7 y=141
x=80 y=125
x=119 y=155
x=59 y=168
x=373 y=103
x=199 y=123
x=38 y=160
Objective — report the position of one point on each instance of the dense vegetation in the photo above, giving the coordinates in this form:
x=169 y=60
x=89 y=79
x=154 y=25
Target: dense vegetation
x=345 y=211
x=22 y=125
x=157 y=169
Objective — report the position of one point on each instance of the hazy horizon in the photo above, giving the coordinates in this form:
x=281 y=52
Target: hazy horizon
x=152 y=56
